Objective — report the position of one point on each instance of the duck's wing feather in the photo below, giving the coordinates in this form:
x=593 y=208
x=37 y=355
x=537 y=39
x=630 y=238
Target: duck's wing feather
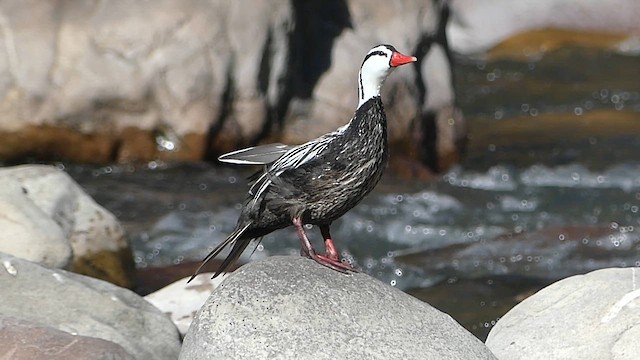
x=256 y=155
x=295 y=157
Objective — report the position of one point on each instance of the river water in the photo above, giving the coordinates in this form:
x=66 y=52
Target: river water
x=550 y=187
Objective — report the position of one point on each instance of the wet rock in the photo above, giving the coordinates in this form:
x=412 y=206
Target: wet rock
x=289 y=306
x=81 y=305
x=20 y=339
x=181 y=300
x=99 y=246
x=592 y=316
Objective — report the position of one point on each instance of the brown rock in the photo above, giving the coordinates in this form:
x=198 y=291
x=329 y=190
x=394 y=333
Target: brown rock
x=26 y=340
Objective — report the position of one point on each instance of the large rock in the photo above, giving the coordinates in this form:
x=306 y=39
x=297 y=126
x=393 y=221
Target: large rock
x=469 y=31
x=293 y=308
x=84 y=306
x=27 y=231
x=592 y=316
x=20 y=339
x=47 y=214
x=139 y=80
x=78 y=76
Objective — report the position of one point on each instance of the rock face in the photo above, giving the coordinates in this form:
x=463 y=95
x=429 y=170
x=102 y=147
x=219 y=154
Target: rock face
x=50 y=220
x=470 y=32
x=293 y=308
x=592 y=316
x=138 y=80
x=21 y=339
x=84 y=306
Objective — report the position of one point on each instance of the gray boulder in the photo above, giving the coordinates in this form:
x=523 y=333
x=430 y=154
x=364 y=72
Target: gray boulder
x=49 y=219
x=27 y=231
x=81 y=305
x=592 y=316
x=293 y=308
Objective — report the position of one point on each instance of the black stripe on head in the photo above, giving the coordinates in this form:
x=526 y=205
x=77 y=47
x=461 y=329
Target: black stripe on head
x=382 y=53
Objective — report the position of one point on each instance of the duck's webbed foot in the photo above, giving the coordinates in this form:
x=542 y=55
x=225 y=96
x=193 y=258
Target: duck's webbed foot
x=331 y=259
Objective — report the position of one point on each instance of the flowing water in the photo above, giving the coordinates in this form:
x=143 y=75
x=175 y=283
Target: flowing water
x=550 y=187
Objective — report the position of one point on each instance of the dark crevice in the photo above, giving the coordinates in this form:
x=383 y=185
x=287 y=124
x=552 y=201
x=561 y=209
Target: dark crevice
x=275 y=111
x=428 y=131
x=318 y=24
x=426 y=123
x=211 y=151
x=265 y=65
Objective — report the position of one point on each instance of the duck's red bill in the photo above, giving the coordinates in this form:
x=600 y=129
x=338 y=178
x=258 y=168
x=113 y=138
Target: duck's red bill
x=398 y=59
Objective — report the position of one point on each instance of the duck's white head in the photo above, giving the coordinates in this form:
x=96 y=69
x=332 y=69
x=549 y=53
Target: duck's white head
x=377 y=65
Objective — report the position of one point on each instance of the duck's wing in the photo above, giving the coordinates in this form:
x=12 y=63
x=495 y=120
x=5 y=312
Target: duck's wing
x=293 y=158
x=256 y=155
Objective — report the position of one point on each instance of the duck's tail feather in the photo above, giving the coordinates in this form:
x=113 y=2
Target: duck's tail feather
x=239 y=244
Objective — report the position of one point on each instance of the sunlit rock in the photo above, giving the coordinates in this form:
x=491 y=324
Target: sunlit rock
x=288 y=307
x=603 y=23
x=53 y=199
x=27 y=231
x=592 y=316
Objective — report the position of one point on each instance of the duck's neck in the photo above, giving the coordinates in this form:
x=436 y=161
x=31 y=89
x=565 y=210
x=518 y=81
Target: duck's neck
x=369 y=84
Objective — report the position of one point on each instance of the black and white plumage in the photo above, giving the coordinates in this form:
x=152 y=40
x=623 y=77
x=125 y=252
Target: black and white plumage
x=319 y=181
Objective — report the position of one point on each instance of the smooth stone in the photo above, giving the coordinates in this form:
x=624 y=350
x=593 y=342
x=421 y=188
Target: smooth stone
x=181 y=300
x=96 y=238
x=27 y=231
x=86 y=306
x=591 y=316
x=24 y=340
x=293 y=308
